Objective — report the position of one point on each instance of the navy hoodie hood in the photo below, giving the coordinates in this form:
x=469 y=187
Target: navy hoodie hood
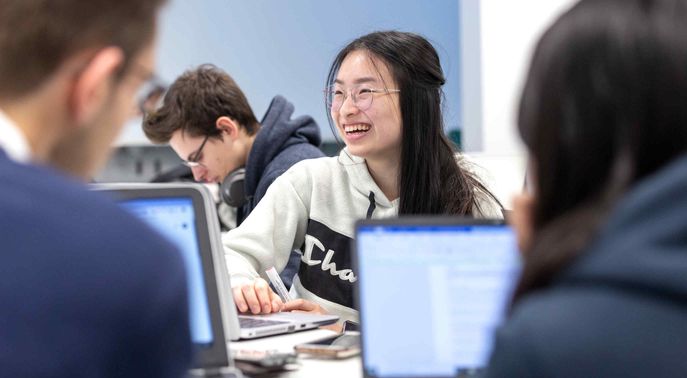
x=643 y=247
x=620 y=309
x=280 y=143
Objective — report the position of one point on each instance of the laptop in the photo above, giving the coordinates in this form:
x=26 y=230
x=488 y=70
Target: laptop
x=453 y=279
x=185 y=213
x=172 y=211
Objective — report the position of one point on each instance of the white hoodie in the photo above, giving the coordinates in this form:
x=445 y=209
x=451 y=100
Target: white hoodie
x=313 y=207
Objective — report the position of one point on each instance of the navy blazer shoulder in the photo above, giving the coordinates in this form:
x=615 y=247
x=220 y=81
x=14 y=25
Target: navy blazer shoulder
x=87 y=289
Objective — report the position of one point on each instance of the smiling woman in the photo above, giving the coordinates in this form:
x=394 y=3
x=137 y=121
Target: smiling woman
x=370 y=130
x=398 y=129
x=384 y=100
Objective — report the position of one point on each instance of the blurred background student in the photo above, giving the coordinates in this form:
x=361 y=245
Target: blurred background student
x=604 y=231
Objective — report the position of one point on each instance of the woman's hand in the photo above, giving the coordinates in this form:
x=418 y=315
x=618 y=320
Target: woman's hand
x=257 y=297
x=301 y=305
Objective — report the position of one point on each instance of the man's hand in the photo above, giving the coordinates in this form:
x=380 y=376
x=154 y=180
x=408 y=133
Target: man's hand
x=257 y=297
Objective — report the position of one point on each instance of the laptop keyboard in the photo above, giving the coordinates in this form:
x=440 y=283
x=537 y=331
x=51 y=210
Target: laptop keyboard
x=247 y=322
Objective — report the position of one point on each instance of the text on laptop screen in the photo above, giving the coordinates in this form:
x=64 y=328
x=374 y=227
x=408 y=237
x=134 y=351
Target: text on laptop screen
x=443 y=288
x=174 y=218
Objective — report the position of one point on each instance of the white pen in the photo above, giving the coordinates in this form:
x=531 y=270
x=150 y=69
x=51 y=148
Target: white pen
x=276 y=281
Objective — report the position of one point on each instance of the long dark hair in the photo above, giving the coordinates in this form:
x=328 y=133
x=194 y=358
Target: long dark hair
x=431 y=180
x=604 y=105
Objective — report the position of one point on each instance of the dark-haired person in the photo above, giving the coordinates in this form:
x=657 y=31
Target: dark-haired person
x=384 y=95
x=206 y=119
x=86 y=289
x=604 y=287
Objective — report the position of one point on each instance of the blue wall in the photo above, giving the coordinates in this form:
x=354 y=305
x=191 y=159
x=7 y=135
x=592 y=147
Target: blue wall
x=285 y=47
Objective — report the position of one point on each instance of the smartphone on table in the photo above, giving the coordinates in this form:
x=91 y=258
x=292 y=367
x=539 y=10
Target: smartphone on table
x=344 y=345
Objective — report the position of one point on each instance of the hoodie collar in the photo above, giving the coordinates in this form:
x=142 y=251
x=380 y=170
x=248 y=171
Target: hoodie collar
x=642 y=245
x=361 y=180
x=277 y=132
x=13 y=141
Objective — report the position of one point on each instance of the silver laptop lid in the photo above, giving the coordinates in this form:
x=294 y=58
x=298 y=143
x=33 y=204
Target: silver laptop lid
x=442 y=283
x=185 y=214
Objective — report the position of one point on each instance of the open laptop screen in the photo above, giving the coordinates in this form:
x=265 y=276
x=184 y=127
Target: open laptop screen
x=174 y=218
x=441 y=284
x=185 y=214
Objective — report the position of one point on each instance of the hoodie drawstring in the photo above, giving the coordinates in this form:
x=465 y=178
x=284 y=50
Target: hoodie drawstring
x=372 y=207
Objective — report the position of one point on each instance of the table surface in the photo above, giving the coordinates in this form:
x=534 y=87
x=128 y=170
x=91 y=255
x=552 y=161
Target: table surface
x=309 y=367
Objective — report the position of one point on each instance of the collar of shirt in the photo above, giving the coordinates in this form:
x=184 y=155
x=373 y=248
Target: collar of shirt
x=13 y=141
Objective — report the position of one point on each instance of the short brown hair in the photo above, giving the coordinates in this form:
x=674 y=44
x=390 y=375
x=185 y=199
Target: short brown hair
x=37 y=36
x=194 y=102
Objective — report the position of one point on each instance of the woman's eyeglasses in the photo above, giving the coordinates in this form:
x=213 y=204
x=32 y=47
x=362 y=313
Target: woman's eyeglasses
x=361 y=96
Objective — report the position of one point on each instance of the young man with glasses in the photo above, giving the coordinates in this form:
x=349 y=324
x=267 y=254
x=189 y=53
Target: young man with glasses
x=87 y=289
x=206 y=119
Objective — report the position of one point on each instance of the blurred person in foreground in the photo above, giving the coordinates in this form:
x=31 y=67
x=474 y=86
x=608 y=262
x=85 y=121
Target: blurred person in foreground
x=87 y=290
x=604 y=230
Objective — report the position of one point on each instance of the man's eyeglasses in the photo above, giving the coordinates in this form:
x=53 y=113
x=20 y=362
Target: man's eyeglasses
x=149 y=96
x=361 y=96
x=193 y=160
x=151 y=92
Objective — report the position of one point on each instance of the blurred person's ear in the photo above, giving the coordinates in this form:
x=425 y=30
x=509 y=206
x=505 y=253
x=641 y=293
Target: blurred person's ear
x=99 y=102
x=94 y=84
x=521 y=219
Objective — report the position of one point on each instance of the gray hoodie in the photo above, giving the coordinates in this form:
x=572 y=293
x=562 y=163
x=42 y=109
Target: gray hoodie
x=312 y=208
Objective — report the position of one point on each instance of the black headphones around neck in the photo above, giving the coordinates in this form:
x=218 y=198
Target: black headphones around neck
x=233 y=190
